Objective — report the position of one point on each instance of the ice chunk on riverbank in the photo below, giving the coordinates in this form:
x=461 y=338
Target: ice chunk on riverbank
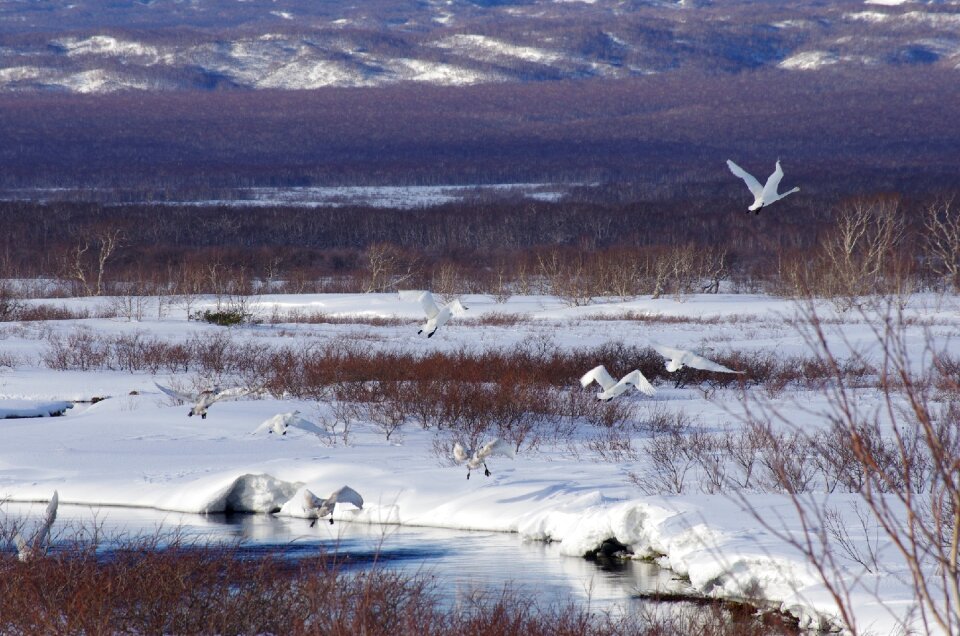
x=254 y=493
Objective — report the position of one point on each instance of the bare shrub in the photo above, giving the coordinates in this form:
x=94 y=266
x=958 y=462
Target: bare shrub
x=787 y=458
x=387 y=410
x=47 y=311
x=901 y=460
x=566 y=276
x=743 y=447
x=613 y=445
x=81 y=349
x=11 y=304
x=670 y=455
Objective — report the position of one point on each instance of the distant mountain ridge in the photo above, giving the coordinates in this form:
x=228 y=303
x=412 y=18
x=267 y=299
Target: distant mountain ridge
x=98 y=46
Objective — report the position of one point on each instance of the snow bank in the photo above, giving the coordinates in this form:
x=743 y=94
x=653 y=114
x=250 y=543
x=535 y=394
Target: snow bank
x=10 y=409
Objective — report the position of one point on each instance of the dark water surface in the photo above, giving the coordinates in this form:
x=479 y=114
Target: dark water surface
x=462 y=562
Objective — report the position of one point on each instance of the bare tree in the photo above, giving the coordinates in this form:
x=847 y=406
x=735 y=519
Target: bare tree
x=942 y=241
x=86 y=263
x=386 y=268
x=861 y=251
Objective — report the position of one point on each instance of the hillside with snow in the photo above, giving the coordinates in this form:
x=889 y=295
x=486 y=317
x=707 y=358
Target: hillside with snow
x=93 y=46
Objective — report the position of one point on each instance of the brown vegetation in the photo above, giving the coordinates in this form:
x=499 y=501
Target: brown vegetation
x=144 y=586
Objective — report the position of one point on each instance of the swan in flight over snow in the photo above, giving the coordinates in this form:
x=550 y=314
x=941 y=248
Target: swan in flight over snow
x=478 y=458
x=39 y=543
x=316 y=508
x=205 y=399
x=612 y=388
x=280 y=422
x=763 y=195
x=680 y=358
x=436 y=316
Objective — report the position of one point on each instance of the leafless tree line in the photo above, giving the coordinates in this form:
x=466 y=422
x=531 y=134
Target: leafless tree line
x=863 y=247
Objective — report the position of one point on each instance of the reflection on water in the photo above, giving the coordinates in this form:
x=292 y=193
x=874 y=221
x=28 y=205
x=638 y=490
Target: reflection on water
x=460 y=562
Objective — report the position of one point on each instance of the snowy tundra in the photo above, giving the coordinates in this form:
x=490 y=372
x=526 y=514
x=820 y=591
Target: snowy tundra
x=138 y=448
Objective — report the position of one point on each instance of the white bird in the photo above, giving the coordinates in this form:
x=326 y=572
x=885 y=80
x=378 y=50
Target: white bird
x=39 y=543
x=680 y=358
x=613 y=388
x=280 y=422
x=204 y=399
x=436 y=316
x=315 y=507
x=763 y=195
x=476 y=459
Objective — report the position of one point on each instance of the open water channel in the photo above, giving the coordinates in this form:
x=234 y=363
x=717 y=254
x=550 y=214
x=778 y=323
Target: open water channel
x=462 y=562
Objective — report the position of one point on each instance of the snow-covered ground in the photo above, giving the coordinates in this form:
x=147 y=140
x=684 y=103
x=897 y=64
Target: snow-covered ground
x=138 y=448
x=395 y=197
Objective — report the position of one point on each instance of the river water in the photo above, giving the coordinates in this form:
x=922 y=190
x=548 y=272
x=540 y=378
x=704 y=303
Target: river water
x=460 y=562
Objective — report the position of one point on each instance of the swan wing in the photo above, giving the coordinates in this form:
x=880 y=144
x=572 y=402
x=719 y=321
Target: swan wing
x=498 y=447
x=311 y=501
x=599 y=375
x=670 y=353
x=425 y=299
x=638 y=380
x=773 y=183
x=176 y=395
x=456 y=307
x=699 y=362
x=277 y=424
x=429 y=305
x=755 y=188
x=460 y=454
x=441 y=318
x=49 y=517
x=346 y=494
x=226 y=394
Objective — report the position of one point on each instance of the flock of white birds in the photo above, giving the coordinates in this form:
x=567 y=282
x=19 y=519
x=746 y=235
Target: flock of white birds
x=437 y=316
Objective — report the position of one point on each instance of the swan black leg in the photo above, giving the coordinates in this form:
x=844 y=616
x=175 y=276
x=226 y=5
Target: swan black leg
x=313 y=522
x=331 y=521
x=420 y=332
x=486 y=471
x=203 y=416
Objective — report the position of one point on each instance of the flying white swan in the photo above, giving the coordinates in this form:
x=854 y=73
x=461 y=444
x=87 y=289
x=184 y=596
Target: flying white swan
x=316 y=508
x=280 y=422
x=204 y=399
x=612 y=388
x=39 y=543
x=763 y=195
x=680 y=358
x=436 y=316
x=478 y=458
